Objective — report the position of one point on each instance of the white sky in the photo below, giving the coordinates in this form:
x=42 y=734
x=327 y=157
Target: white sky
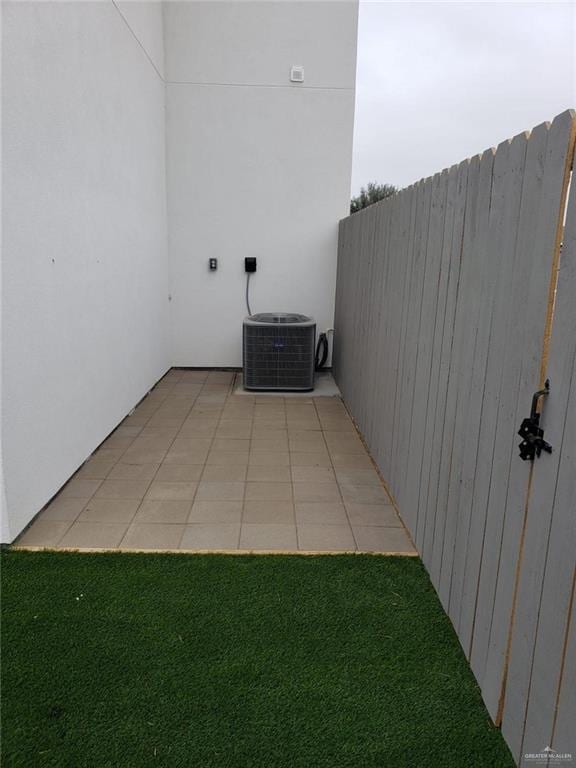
x=441 y=81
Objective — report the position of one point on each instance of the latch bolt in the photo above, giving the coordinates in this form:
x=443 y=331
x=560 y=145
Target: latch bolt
x=531 y=432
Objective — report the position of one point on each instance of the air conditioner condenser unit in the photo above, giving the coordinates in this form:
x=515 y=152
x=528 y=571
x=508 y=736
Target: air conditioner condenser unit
x=278 y=352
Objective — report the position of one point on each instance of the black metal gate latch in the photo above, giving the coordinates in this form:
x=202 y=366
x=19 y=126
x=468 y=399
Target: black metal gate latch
x=531 y=432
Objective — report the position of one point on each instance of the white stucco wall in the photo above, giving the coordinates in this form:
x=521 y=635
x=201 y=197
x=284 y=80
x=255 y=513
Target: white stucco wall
x=257 y=166
x=114 y=114
x=144 y=18
x=85 y=277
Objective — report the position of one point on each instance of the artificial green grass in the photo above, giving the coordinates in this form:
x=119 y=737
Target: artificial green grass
x=113 y=660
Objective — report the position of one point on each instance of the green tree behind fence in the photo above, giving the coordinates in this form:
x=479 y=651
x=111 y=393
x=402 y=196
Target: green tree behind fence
x=371 y=194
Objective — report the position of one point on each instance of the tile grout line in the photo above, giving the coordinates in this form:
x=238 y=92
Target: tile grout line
x=172 y=443
x=246 y=476
x=293 y=489
x=292 y=480
x=118 y=460
x=383 y=482
x=204 y=465
x=313 y=403
x=274 y=427
x=159 y=465
x=228 y=396
x=292 y=494
x=336 y=477
x=153 y=476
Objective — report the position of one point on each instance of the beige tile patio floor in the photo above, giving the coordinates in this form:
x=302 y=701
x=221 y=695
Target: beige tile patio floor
x=197 y=468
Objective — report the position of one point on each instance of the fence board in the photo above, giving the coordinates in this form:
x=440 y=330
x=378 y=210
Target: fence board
x=366 y=255
x=473 y=292
x=504 y=310
x=552 y=669
x=395 y=297
x=505 y=439
x=549 y=553
x=455 y=231
x=382 y=321
x=563 y=732
x=488 y=261
x=444 y=221
x=425 y=342
x=455 y=374
x=545 y=242
x=411 y=341
x=442 y=320
x=484 y=281
x=400 y=389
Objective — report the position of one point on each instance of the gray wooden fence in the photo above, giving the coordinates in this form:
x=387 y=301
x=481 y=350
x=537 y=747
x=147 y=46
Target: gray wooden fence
x=454 y=302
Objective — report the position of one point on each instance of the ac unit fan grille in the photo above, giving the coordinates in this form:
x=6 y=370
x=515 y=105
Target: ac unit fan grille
x=280 y=357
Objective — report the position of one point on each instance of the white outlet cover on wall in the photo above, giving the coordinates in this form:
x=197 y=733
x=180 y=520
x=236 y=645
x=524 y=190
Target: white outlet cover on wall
x=297 y=74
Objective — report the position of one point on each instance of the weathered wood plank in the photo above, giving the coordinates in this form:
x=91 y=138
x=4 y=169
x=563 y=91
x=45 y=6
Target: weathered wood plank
x=425 y=341
x=546 y=242
x=444 y=236
x=339 y=340
x=558 y=587
x=401 y=417
x=455 y=374
x=359 y=222
x=504 y=243
x=384 y=396
x=489 y=259
x=413 y=332
x=552 y=669
x=505 y=438
x=549 y=553
x=454 y=237
x=397 y=421
x=381 y=381
x=563 y=733
x=473 y=292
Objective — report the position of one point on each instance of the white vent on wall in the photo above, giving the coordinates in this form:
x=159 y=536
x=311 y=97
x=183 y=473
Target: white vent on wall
x=297 y=74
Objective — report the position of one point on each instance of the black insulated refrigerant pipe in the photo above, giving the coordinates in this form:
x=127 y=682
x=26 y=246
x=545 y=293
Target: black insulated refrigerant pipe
x=321 y=352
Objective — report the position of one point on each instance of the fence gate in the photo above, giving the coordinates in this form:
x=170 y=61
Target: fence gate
x=538 y=701
x=455 y=302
